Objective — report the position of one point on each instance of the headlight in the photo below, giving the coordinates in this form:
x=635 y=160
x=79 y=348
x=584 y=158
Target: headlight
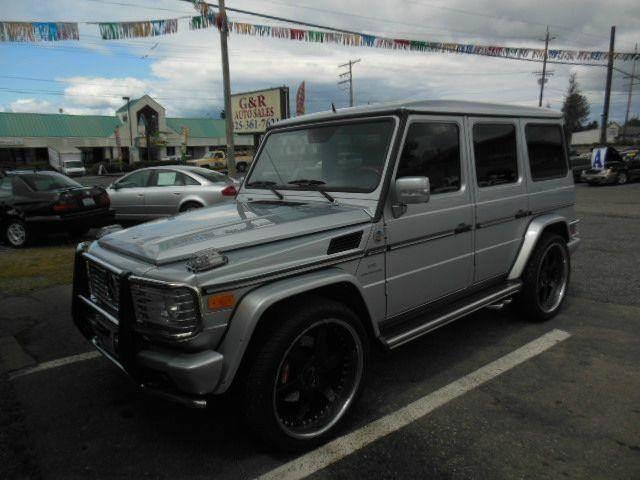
x=169 y=312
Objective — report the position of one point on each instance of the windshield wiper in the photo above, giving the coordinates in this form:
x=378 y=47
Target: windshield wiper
x=303 y=182
x=268 y=185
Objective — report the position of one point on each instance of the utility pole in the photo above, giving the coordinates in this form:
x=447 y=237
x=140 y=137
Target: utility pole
x=347 y=78
x=543 y=76
x=228 y=117
x=631 y=78
x=607 y=91
x=128 y=99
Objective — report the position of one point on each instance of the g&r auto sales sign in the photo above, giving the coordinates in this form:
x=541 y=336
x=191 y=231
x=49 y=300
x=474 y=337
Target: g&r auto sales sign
x=252 y=112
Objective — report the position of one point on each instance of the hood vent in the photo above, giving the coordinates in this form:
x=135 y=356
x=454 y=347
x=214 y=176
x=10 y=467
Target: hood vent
x=344 y=243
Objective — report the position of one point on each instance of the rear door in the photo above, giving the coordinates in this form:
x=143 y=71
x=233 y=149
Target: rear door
x=165 y=192
x=128 y=200
x=551 y=186
x=502 y=205
x=430 y=253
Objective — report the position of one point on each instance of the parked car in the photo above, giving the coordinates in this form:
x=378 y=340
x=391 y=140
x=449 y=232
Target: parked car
x=579 y=163
x=281 y=293
x=156 y=192
x=34 y=203
x=616 y=170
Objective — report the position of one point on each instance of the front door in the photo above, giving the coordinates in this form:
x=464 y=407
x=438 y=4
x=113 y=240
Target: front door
x=431 y=245
x=128 y=196
x=502 y=203
x=165 y=192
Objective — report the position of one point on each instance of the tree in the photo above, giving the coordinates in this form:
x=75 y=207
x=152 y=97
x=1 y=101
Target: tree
x=575 y=108
x=633 y=122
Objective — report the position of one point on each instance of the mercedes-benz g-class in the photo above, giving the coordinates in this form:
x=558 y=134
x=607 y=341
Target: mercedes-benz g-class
x=369 y=225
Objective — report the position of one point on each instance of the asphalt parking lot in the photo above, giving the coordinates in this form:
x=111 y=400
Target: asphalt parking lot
x=467 y=401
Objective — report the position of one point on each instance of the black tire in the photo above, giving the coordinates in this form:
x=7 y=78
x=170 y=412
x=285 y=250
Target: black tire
x=535 y=282
x=279 y=344
x=622 y=178
x=190 y=206
x=16 y=233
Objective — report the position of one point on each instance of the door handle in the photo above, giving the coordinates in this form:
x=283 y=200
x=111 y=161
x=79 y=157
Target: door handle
x=141 y=194
x=177 y=193
x=462 y=228
x=521 y=214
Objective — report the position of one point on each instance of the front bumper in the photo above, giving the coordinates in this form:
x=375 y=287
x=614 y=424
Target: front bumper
x=179 y=376
x=598 y=179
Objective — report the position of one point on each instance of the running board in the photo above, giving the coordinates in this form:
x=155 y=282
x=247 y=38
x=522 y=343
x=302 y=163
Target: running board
x=416 y=327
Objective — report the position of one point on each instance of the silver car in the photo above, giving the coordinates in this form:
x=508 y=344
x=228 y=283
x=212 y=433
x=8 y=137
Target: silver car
x=163 y=191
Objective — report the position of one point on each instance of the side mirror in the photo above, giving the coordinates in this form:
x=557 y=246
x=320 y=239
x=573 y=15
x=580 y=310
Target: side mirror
x=410 y=190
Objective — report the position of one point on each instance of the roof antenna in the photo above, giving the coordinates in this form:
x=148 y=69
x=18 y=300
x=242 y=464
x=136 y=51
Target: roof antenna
x=333 y=107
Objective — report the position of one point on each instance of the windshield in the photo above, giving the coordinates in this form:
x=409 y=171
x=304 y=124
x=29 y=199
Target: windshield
x=73 y=164
x=47 y=182
x=347 y=157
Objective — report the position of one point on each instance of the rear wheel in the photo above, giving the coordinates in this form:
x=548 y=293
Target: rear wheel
x=190 y=206
x=306 y=374
x=545 y=279
x=16 y=233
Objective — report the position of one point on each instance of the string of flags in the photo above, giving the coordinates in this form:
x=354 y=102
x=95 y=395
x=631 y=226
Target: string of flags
x=58 y=31
x=38 y=31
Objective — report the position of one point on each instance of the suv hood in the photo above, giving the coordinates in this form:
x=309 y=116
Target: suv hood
x=228 y=227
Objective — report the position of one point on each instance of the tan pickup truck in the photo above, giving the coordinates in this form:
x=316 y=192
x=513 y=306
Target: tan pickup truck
x=217 y=160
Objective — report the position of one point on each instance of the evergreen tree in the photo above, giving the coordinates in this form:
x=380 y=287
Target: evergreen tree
x=575 y=108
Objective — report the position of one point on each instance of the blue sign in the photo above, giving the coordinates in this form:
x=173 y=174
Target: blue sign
x=597 y=158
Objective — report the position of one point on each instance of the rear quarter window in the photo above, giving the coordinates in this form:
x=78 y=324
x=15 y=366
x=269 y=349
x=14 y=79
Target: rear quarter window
x=547 y=158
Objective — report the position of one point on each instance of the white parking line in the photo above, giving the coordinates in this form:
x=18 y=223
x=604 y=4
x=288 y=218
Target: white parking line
x=341 y=447
x=81 y=357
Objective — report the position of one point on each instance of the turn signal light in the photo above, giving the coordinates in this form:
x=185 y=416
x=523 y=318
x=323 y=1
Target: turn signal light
x=229 y=191
x=63 y=207
x=221 y=301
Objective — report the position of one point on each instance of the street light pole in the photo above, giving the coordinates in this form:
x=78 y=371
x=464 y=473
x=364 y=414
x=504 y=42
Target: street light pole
x=228 y=117
x=631 y=77
x=128 y=99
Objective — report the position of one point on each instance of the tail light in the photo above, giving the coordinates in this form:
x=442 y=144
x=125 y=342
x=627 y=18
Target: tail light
x=64 y=204
x=229 y=191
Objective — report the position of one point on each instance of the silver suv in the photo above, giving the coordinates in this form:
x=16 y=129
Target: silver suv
x=370 y=225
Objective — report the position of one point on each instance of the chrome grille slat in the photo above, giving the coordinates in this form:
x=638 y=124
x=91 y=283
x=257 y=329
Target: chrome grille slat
x=104 y=286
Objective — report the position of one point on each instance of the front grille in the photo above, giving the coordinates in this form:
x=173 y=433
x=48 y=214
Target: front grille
x=104 y=286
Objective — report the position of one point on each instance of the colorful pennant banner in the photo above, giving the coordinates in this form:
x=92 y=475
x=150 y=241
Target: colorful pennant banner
x=361 y=40
x=151 y=28
x=38 y=31
x=55 y=31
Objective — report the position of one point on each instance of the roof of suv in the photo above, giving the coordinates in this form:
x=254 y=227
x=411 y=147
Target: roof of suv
x=449 y=107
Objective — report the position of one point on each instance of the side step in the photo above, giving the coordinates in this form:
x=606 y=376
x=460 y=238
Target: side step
x=414 y=327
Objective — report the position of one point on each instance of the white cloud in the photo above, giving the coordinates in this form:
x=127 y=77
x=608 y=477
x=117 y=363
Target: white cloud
x=32 y=105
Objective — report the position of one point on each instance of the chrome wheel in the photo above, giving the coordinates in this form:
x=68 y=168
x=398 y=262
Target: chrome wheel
x=552 y=278
x=318 y=378
x=16 y=234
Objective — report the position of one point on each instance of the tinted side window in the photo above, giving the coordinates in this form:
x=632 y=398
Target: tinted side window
x=546 y=151
x=189 y=181
x=432 y=150
x=136 y=179
x=494 y=146
x=6 y=187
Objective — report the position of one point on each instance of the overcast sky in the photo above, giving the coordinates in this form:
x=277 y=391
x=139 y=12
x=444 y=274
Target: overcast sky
x=183 y=71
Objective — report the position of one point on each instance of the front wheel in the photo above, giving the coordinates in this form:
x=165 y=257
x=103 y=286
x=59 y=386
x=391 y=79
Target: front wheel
x=307 y=373
x=545 y=279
